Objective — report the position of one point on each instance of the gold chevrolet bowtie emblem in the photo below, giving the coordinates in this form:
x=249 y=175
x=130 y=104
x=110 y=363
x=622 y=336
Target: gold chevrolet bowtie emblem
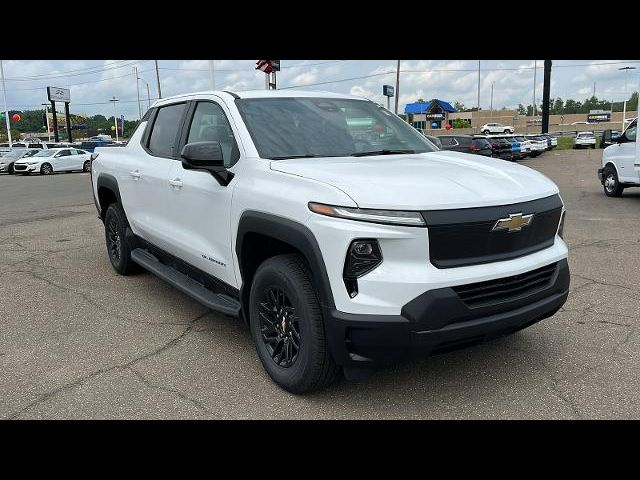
x=514 y=223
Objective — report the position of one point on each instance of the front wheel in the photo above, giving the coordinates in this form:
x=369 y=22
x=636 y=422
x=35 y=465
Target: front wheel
x=612 y=187
x=46 y=169
x=10 y=170
x=86 y=166
x=287 y=326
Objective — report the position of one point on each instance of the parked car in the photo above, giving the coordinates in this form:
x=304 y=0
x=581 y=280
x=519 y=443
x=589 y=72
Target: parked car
x=585 y=140
x=435 y=140
x=466 y=144
x=609 y=137
x=525 y=145
x=553 y=141
x=339 y=255
x=620 y=162
x=90 y=145
x=489 y=128
x=539 y=144
x=8 y=160
x=500 y=148
x=516 y=150
x=54 y=160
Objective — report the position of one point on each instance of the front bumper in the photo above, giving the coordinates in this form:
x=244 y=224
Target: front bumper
x=437 y=321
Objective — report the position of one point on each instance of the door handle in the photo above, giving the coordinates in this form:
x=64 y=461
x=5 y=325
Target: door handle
x=135 y=174
x=176 y=183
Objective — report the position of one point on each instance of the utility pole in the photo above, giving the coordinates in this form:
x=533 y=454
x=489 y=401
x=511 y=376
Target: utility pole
x=148 y=97
x=6 y=110
x=478 y=111
x=158 y=79
x=212 y=77
x=135 y=70
x=46 y=114
x=115 y=115
x=492 y=84
x=397 y=86
x=535 y=71
x=594 y=89
x=624 y=108
x=546 y=92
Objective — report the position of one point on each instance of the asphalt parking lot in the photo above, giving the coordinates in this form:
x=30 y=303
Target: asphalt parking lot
x=79 y=341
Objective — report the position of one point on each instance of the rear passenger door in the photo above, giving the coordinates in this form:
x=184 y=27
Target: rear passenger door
x=61 y=161
x=144 y=184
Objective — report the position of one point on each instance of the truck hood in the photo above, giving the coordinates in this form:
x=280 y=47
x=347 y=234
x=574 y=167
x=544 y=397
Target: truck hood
x=427 y=181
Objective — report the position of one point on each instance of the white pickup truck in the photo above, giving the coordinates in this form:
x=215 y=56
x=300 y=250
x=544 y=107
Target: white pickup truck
x=335 y=230
x=620 y=162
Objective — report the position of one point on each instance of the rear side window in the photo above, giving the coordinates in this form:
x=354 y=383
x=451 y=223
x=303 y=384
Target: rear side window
x=165 y=130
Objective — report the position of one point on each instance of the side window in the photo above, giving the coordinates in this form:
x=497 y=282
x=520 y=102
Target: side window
x=63 y=153
x=632 y=133
x=210 y=124
x=165 y=129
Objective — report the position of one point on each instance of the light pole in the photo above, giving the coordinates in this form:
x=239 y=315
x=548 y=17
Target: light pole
x=135 y=71
x=212 y=77
x=535 y=72
x=115 y=115
x=46 y=115
x=148 y=94
x=158 y=79
x=6 y=110
x=624 y=108
x=397 y=92
x=492 y=84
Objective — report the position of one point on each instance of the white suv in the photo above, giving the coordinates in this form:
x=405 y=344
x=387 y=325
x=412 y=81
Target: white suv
x=488 y=128
x=585 y=139
x=335 y=230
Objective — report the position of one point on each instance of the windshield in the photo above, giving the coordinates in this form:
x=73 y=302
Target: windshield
x=14 y=153
x=327 y=127
x=45 y=153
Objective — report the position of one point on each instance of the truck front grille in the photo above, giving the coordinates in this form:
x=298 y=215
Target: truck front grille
x=463 y=237
x=505 y=289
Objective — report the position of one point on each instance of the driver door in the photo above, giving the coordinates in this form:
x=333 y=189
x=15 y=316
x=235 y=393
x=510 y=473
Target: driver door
x=626 y=152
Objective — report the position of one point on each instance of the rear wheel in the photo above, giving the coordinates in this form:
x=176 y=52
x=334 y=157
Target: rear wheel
x=46 y=169
x=86 y=166
x=115 y=227
x=287 y=326
x=612 y=187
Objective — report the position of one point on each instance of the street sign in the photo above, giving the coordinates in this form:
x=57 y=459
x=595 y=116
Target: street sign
x=57 y=94
x=264 y=66
x=388 y=90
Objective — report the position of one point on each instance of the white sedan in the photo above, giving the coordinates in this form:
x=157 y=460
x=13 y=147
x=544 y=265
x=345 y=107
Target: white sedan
x=53 y=160
x=585 y=139
x=488 y=128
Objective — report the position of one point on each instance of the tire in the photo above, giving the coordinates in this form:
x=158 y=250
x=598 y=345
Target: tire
x=486 y=132
x=506 y=131
x=284 y=283
x=611 y=185
x=46 y=169
x=119 y=251
x=86 y=166
x=10 y=170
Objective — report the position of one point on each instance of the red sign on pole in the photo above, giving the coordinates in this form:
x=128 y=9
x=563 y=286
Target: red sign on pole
x=264 y=66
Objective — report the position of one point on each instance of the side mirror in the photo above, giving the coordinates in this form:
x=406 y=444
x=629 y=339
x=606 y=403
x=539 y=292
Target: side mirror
x=205 y=155
x=605 y=141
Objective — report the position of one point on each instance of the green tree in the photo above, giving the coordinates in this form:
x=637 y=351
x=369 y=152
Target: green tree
x=459 y=106
x=558 y=107
x=521 y=109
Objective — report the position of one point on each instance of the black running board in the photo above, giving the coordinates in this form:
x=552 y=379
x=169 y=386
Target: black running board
x=215 y=301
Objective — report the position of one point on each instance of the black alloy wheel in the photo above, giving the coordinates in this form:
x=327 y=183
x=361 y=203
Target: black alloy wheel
x=46 y=169
x=279 y=326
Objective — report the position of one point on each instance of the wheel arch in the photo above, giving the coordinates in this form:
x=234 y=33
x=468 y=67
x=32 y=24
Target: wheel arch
x=261 y=236
x=615 y=167
x=108 y=193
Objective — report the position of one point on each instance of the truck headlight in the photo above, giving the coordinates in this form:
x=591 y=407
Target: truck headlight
x=561 y=226
x=386 y=217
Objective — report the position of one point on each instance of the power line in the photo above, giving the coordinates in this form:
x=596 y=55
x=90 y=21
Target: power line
x=88 y=72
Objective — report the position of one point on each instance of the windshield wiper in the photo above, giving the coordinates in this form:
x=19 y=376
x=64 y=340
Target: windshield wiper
x=381 y=152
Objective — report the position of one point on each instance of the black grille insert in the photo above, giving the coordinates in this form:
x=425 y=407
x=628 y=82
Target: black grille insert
x=19 y=167
x=465 y=236
x=505 y=289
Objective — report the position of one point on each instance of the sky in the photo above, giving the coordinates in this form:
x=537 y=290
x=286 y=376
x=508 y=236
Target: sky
x=94 y=82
